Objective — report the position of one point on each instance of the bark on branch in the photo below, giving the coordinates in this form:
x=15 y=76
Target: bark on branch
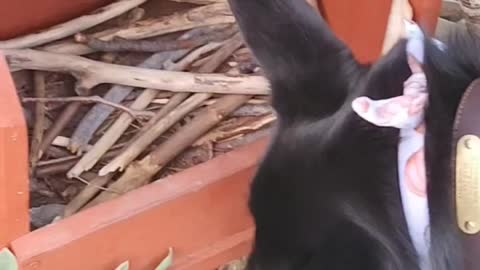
x=91 y=73
x=203 y=16
x=91 y=99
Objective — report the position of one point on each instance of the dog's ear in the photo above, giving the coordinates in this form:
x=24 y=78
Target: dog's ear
x=297 y=51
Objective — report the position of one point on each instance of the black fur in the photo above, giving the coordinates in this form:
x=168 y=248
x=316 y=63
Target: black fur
x=326 y=195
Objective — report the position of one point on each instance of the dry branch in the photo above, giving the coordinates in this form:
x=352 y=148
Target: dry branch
x=139 y=145
x=253 y=110
x=140 y=173
x=69 y=46
x=91 y=99
x=40 y=118
x=65 y=142
x=187 y=61
x=172 y=103
x=57 y=166
x=121 y=124
x=63 y=119
x=218 y=13
x=220 y=134
x=120 y=44
x=91 y=73
x=100 y=112
x=248 y=138
x=73 y=26
x=197 y=17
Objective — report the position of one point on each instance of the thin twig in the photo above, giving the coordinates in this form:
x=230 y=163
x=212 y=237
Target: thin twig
x=63 y=120
x=120 y=44
x=222 y=133
x=91 y=99
x=40 y=117
x=60 y=166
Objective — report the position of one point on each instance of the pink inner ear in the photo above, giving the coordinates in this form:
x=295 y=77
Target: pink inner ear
x=361 y=105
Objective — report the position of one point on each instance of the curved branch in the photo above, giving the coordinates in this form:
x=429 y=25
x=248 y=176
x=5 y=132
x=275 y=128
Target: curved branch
x=91 y=73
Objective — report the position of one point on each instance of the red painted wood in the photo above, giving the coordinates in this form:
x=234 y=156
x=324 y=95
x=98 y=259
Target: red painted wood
x=362 y=23
x=426 y=13
x=14 y=187
x=201 y=212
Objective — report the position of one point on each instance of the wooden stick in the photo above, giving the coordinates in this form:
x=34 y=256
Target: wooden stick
x=73 y=26
x=187 y=61
x=64 y=142
x=137 y=147
x=220 y=134
x=121 y=124
x=172 y=103
x=140 y=173
x=63 y=119
x=218 y=13
x=91 y=73
x=90 y=99
x=60 y=166
x=40 y=118
x=70 y=46
x=253 y=110
x=247 y=138
x=121 y=44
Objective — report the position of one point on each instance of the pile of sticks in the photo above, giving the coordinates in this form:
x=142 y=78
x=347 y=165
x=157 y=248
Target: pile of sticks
x=139 y=92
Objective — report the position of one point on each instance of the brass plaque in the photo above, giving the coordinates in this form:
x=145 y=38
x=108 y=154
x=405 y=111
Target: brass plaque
x=467 y=178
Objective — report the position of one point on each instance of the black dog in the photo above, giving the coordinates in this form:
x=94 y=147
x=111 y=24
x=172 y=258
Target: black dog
x=326 y=196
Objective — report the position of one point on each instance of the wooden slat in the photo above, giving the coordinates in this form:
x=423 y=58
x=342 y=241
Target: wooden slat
x=14 y=187
x=201 y=212
x=20 y=17
x=362 y=23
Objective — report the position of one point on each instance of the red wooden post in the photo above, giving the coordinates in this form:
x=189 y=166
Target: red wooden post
x=14 y=182
x=426 y=13
x=362 y=23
